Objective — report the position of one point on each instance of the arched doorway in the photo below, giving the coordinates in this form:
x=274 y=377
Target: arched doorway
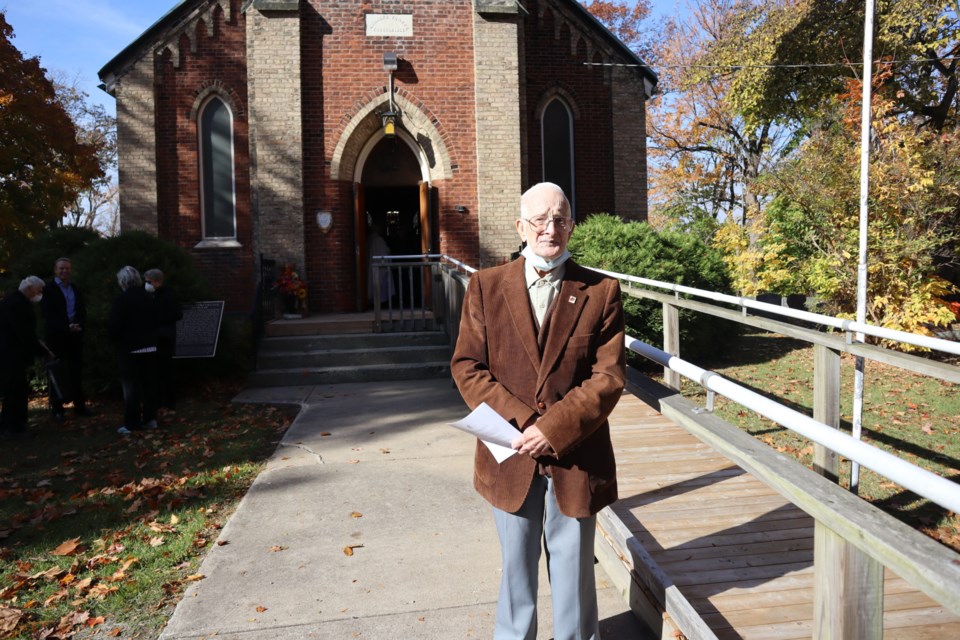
x=390 y=201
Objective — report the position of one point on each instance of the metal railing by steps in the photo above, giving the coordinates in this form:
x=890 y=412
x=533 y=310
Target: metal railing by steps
x=336 y=348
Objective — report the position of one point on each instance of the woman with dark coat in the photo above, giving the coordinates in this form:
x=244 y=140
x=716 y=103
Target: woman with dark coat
x=133 y=328
x=170 y=312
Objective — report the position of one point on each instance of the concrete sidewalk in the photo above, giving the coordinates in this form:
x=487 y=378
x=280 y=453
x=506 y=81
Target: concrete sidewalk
x=374 y=467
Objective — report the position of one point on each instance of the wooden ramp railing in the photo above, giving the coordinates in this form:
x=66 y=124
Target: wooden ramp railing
x=701 y=548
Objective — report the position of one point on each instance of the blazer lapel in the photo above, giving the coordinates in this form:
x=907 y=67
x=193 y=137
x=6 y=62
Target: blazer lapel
x=569 y=305
x=517 y=301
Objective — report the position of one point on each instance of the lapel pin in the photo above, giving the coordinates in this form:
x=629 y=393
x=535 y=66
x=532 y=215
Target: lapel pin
x=572 y=299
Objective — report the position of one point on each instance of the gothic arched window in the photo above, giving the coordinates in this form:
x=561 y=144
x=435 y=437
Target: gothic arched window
x=217 y=196
x=556 y=135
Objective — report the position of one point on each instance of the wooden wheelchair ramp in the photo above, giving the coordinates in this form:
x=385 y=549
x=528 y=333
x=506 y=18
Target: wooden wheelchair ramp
x=702 y=549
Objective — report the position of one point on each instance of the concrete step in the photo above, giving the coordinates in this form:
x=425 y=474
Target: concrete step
x=336 y=375
x=388 y=355
x=348 y=323
x=286 y=344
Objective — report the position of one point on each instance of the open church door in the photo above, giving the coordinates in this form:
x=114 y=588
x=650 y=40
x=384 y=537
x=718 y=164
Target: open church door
x=426 y=235
x=360 y=233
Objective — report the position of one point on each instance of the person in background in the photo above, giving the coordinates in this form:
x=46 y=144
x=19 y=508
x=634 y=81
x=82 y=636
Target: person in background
x=18 y=347
x=377 y=246
x=169 y=313
x=541 y=342
x=65 y=316
x=133 y=326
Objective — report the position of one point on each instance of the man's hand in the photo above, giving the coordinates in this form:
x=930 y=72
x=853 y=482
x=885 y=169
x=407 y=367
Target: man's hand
x=533 y=443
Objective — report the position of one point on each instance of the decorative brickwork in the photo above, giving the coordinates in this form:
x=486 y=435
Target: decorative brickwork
x=276 y=142
x=629 y=134
x=137 y=148
x=497 y=77
x=305 y=86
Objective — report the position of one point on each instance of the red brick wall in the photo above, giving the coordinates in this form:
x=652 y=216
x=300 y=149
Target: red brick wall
x=342 y=69
x=219 y=61
x=549 y=65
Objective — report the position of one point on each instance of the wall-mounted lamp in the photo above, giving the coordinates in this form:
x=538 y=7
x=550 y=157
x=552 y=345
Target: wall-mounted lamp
x=390 y=116
x=460 y=208
x=324 y=221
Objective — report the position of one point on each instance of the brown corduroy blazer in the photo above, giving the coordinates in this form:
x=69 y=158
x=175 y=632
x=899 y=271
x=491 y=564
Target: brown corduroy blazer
x=570 y=383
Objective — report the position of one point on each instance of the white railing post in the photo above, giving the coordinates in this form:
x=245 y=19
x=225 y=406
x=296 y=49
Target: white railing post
x=377 y=319
x=671 y=343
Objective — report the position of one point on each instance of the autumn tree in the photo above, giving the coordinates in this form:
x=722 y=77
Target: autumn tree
x=706 y=154
x=97 y=206
x=43 y=164
x=626 y=21
x=808 y=239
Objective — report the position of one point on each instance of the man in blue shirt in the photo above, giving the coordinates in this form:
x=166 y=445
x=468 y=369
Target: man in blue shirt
x=65 y=314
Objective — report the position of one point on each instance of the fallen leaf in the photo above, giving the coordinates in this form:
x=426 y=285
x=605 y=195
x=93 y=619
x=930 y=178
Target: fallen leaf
x=92 y=622
x=353 y=461
x=53 y=573
x=324 y=434
x=221 y=543
x=115 y=632
x=275 y=548
x=174 y=519
x=9 y=619
x=156 y=542
x=927 y=428
x=348 y=550
x=194 y=577
x=68 y=548
x=56 y=597
x=384 y=450
x=356 y=514
x=261 y=609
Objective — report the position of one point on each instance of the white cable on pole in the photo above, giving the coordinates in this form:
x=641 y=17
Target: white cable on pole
x=865 y=122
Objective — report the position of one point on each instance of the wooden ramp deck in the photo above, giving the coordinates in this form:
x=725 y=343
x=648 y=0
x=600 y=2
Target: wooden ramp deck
x=715 y=551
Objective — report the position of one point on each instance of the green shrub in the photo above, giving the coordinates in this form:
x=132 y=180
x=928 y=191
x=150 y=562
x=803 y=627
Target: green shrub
x=95 y=272
x=635 y=248
x=43 y=251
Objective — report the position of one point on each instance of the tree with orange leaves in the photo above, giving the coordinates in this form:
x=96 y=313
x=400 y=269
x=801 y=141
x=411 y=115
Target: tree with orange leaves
x=624 y=20
x=43 y=166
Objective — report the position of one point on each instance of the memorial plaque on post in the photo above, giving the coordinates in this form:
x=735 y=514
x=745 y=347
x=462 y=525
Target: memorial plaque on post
x=199 y=330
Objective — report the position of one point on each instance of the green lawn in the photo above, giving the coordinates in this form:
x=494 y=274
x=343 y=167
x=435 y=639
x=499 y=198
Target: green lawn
x=912 y=416
x=99 y=533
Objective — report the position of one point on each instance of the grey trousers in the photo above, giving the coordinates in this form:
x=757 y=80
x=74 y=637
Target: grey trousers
x=569 y=547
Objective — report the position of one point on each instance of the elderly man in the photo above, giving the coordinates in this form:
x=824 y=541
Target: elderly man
x=541 y=342
x=18 y=347
x=65 y=314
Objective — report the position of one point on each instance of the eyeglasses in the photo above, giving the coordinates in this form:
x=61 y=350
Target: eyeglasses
x=540 y=223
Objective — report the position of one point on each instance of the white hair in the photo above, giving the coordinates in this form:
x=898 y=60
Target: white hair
x=535 y=190
x=129 y=277
x=31 y=281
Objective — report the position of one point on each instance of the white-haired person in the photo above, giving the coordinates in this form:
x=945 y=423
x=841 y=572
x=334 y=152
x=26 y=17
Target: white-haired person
x=133 y=328
x=18 y=348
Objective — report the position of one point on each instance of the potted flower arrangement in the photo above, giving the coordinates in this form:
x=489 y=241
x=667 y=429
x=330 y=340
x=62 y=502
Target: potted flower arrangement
x=292 y=290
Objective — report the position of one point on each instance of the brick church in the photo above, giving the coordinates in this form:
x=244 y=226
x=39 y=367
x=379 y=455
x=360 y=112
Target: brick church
x=284 y=129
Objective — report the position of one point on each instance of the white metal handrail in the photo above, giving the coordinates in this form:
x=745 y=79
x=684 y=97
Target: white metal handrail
x=924 y=483
x=847 y=326
x=459 y=264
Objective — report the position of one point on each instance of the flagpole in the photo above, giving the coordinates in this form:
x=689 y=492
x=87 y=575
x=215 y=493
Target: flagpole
x=865 y=122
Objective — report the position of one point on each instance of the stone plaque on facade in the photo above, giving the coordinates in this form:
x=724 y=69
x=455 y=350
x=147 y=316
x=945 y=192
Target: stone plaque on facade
x=199 y=330
x=397 y=25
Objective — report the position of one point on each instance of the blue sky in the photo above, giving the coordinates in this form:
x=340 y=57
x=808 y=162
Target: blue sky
x=78 y=37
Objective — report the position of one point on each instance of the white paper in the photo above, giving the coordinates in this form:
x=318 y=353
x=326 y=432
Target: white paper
x=495 y=432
